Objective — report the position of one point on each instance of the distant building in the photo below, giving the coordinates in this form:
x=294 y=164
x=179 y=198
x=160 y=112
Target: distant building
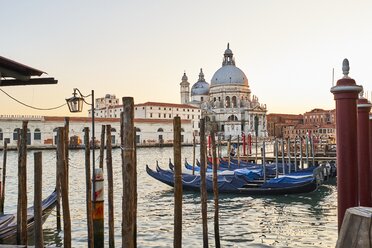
x=42 y=130
x=109 y=107
x=277 y=123
x=318 y=123
x=227 y=100
x=320 y=116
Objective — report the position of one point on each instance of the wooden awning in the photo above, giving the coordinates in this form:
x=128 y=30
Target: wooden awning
x=13 y=73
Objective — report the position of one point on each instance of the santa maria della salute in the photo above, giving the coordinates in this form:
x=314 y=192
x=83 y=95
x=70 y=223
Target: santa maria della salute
x=225 y=100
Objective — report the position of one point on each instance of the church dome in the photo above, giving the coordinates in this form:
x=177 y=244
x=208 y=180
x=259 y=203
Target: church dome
x=201 y=87
x=229 y=73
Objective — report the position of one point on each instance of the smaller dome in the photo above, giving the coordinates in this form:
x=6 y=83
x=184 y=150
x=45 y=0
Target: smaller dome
x=201 y=87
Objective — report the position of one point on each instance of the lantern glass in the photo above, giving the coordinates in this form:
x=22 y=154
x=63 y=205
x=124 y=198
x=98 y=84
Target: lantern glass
x=75 y=104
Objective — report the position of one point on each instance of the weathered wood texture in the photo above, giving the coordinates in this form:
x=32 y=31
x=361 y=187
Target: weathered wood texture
x=177 y=239
x=88 y=192
x=2 y=197
x=22 y=187
x=110 y=185
x=102 y=146
x=66 y=141
x=38 y=179
x=203 y=187
x=128 y=174
x=215 y=192
x=62 y=173
x=355 y=231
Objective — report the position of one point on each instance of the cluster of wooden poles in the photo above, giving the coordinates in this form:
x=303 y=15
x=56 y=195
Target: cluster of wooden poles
x=203 y=188
x=94 y=202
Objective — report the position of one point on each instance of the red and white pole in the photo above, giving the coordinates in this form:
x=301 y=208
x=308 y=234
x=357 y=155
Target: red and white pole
x=346 y=94
x=364 y=107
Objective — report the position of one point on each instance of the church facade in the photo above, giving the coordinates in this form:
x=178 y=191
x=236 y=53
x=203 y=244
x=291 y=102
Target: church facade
x=227 y=100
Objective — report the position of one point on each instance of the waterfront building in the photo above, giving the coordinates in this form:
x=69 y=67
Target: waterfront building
x=227 y=100
x=42 y=130
x=276 y=123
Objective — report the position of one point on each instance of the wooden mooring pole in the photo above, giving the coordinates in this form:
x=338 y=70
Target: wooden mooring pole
x=177 y=239
x=62 y=173
x=98 y=196
x=215 y=191
x=102 y=146
x=22 y=187
x=88 y=188
x=66 y=141
x=58 y=189
x=38 y=179
x=193 y=154
x=2 y=199
x=203 y=187
x=128 y=174
x=110 y=185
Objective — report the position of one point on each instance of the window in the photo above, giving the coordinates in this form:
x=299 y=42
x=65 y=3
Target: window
x=15 y=133
x=165 y=108
x=113 y=130
x=182 y=130
x=150 y=115
x=165 y=115
x=1 y=134
x=159 y=115
x=37 y=134
x=160 y=130
x=201 y=99
x=138 y=130
x=170 y=116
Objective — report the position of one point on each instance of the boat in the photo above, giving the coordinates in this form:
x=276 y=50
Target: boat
x=294 y=183
x=8 y=222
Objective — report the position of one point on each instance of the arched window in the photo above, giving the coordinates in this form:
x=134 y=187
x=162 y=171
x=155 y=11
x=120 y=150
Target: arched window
x=234 y=103
x=182 y=130
x=1 y=134
x=160 y=130
x=138 y=130
x=227 y=102
x=232 y=118
x=15 y=134
x=113 y=130
x=37 y=134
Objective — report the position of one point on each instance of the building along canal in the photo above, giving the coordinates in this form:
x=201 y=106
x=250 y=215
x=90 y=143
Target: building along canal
x=305 y=220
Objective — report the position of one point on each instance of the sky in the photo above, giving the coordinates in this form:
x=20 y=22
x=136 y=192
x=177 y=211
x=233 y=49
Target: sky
x=286 y=48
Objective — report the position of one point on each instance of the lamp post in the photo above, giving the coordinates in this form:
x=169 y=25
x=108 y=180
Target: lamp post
x=75 y=105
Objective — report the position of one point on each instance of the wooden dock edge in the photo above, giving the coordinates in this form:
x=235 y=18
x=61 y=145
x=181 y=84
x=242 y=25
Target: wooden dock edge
x=356 y=228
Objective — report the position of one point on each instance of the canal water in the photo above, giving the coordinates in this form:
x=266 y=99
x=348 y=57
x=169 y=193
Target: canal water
x=305 y=220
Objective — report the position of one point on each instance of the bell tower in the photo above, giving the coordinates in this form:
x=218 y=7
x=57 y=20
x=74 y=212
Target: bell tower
x=185 y=89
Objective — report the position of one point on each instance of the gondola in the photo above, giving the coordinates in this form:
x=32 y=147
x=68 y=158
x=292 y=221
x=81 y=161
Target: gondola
x=8 y=222
x=239 y=184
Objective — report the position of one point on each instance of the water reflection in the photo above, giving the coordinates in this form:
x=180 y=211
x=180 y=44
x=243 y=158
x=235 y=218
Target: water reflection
x=307 y=220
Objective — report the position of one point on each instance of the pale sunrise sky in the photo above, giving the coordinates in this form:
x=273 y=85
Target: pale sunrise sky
x=286 y=48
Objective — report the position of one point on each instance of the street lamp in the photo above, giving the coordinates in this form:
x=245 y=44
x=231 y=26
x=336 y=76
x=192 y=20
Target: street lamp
x=75 y=104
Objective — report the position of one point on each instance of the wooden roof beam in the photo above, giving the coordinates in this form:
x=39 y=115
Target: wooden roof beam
x=31 y=81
